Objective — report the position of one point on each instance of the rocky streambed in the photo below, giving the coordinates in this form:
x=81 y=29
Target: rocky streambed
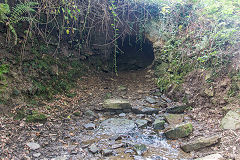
x=138 y=126
x=120 y=130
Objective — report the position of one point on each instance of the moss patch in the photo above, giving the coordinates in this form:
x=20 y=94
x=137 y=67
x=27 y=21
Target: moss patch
x=36 y=117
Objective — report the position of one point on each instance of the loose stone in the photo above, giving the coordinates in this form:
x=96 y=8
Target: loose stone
x=200 y=143
x=141 y=123
x=231 y=121
x=158 y=124
x=93 y=148
x=33 y=146
x=107 y=152
x=179 y=131
x=212 y=157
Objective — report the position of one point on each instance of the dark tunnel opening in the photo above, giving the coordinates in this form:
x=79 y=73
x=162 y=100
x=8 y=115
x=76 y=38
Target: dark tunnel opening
x=134 y=55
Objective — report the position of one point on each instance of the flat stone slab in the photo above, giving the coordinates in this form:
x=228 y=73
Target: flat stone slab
x=117 y=126
x=231 y=121
x=200 y=143
x=179 y=131
x=212 y=157
x=116 y=104
x=144 y=110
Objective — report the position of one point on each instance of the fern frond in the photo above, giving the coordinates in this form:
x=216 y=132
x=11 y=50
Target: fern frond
x=20 y=9
x=21 y=19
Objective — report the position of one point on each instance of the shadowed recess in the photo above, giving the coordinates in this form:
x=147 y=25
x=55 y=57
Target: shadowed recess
x=134 y=55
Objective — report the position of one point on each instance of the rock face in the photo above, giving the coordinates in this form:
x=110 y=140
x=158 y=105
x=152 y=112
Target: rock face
x=176 y=107
x=116 y=104
x=212 y=157
x=117 y=126
x=200 y=143
x=173 y=119
x=231 y=121
x=144 y=110
x=179 y=131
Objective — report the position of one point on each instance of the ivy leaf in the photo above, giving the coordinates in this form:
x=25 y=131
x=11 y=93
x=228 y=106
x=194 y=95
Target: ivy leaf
x=67 y=31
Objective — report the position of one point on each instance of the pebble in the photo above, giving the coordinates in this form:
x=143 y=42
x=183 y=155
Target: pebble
x=122 y=115
x=151 y=100
x=36 y=155
x=33 y=146
x=93 y=148
x=107 y=152
x=115 y=146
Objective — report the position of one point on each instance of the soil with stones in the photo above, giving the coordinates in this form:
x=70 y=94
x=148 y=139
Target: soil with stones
x=76 y=127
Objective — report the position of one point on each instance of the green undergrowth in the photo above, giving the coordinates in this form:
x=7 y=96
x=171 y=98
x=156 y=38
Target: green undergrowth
x=51 y=76
x=30 y=116
x=171 y=67
x=4 y=69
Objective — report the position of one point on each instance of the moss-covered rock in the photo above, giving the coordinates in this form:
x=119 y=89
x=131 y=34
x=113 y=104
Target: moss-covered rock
x=179 y=131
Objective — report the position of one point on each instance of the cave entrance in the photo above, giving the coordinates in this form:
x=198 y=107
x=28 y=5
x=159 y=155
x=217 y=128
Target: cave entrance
x=134 y=55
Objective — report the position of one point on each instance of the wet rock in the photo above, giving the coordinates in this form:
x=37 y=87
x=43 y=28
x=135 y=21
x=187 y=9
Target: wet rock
x=174 y=119
x=107 y=152
x=36 y=155
x=117 y=126
x=139 y=158
x=116 y=104
x=33 y=146
x=93 y=148
x=165 y=98
x=212 y=157
x=140 y=149
x=144 y=110
x=89 y=126
x=231 y=121
x=176 y=107
x=150 y=100
x=122 y=115
x=119 y=145
x=141 y=123
x=115 y=138
x=129 y=151
x=90 y=113
x=200 y=143
x=179 y=131
x=158 y=124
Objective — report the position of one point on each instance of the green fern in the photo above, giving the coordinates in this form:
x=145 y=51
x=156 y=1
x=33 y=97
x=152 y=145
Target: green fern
x=9 y=18
x=20 y=9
